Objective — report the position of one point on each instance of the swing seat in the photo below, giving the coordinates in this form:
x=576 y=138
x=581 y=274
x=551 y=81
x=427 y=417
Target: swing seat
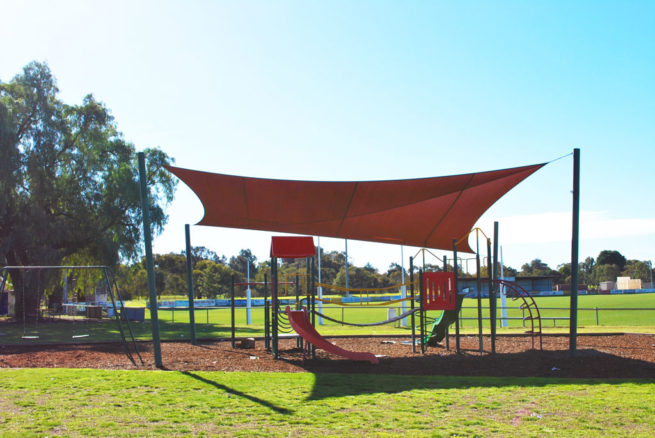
x=80 y=336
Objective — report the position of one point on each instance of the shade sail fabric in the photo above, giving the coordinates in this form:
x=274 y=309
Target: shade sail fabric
x=424 y=212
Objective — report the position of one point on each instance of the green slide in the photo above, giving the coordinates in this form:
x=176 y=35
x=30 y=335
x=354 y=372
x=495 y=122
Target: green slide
x=438 y=330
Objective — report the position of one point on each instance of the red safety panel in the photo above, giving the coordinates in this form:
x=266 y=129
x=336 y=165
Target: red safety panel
x=439 y=291
x=292 y=247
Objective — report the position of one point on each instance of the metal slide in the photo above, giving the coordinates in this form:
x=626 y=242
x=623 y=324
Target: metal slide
x=300 y=322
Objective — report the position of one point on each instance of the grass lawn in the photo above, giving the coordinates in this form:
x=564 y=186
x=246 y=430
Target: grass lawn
x=75 y=402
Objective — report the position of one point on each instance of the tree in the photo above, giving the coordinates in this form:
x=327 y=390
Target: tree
x=201 y=253
x=537 y=268
x=605 y=272
x=240 y=263
x=69 y=180
x=586 y=271
x=610 y=257
x=212 y=279
x=637 y=269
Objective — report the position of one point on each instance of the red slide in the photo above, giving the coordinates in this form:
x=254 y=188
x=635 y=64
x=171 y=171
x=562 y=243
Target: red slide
x=300 y=322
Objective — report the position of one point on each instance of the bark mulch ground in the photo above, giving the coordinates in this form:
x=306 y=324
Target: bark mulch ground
x=598 y=356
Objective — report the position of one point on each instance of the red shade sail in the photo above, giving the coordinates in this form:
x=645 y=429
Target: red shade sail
x=424 y=212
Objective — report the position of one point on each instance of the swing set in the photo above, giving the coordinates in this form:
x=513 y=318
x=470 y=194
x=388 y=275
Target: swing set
x=33 y=332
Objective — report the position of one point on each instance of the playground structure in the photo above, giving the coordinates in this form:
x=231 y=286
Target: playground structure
x=423 y=212
x=436 y=291
x=114 y=308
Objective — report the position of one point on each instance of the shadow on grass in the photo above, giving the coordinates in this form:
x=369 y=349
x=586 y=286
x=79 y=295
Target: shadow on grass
x=232 y=391
x=339 y=378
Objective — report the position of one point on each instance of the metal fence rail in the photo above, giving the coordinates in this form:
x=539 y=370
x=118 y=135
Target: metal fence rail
x=548 y=313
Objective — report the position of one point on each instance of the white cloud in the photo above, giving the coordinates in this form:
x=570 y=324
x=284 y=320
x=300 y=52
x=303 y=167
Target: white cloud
x=551 y=227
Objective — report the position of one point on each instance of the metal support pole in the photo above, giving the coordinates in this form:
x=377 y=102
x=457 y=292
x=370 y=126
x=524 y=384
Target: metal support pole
x=299 y=342
x=411 y=294
x=267 y=321
x=445 y=269
x=347 y=291
x=320 y=288
x=232 y=312
x=403 y=288
x=189 y=282
x=248 y=296
x=492 y=298
x=573 y=335
x=494 y=277
x=479 y=286
x=274 y=291
x=422 y=311
x=455 y=271
x=150 y=264
x=312 y=288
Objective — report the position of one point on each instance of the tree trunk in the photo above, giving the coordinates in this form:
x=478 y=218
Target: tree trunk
x=28 y=290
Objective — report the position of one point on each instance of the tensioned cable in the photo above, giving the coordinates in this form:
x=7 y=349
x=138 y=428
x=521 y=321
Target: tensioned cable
x=370 y=324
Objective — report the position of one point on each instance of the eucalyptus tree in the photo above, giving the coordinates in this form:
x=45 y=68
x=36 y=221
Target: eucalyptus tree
x=68 y=181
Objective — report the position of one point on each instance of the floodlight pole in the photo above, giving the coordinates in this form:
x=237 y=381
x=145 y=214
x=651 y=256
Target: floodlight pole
x=189 y=282
x=574 y=253
x=150 y=264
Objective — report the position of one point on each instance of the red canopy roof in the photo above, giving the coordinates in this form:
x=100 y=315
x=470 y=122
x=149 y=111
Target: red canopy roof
x=425 y=212
x=292 y=247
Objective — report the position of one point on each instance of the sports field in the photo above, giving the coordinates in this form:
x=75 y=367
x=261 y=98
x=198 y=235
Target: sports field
x=597 y=313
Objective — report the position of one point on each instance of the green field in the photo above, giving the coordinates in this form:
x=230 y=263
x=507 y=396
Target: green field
x=80 y=402
x=215 y=323
x=43 y=402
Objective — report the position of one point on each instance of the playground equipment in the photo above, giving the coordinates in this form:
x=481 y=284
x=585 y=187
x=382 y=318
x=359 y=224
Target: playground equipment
x=423 y=212
x=300 y=322
x=515 y=292
x=106 y=276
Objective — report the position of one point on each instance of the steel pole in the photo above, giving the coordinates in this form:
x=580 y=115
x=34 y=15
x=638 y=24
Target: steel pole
x=573 y=335
x=150 y=264
x=189 y=282
x=455 y=271
x=494 y=277
x=411 y=292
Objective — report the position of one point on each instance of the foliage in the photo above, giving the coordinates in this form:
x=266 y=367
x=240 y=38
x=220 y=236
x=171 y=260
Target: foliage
x=69 y=181
x=199 y=253
x=212 y=279
x=638 y=270
x=610 y=257
x=605 y=272
x=244 y=261
x=537 y=268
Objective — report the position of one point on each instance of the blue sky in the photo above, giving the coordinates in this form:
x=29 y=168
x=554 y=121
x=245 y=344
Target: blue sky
x=376 y=90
